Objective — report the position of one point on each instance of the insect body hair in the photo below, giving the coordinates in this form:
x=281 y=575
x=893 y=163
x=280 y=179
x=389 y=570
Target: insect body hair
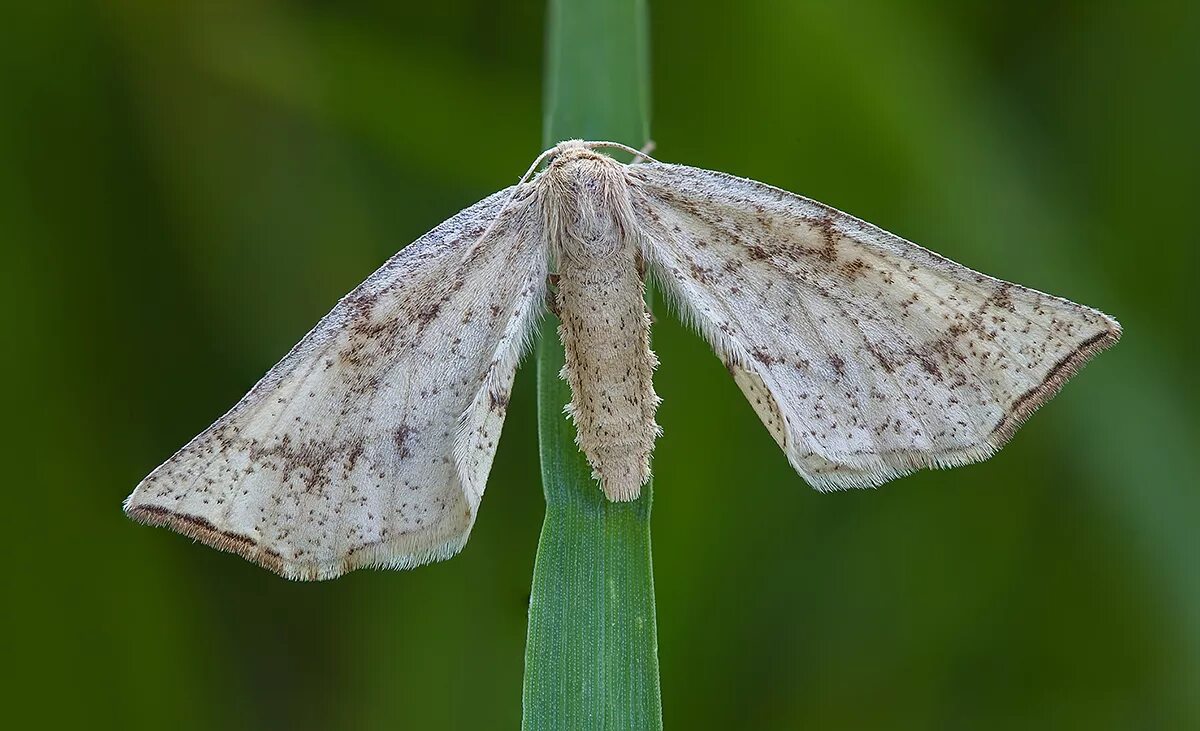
x=586 y=207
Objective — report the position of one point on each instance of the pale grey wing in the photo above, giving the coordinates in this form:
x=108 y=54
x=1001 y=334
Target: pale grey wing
x=370 y=443
x=867 y=356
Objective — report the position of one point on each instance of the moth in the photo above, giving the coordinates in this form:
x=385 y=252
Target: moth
x=866 y=356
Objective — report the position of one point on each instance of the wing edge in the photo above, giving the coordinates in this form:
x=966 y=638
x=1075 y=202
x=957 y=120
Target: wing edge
x=395 y=553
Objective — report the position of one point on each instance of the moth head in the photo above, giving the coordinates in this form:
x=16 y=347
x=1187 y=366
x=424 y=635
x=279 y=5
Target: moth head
x=570 y=151
x=573 y=150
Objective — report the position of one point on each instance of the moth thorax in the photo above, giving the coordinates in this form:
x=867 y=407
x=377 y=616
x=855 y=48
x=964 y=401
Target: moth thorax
x=592 y=217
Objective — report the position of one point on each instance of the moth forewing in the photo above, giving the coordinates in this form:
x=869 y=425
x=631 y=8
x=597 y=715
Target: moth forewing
x=344 y=454
x=880 y=357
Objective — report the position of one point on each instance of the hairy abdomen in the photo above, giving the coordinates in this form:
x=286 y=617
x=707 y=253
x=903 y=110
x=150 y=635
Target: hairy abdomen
x=605 y=332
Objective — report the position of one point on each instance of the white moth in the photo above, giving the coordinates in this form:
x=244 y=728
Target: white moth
x=866 y=356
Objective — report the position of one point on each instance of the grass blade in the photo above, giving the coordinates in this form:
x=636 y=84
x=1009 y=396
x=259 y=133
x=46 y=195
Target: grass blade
x=591 y=658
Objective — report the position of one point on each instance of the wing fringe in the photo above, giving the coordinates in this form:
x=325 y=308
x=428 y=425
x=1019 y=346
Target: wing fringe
x=395 y=553
x=893 y=465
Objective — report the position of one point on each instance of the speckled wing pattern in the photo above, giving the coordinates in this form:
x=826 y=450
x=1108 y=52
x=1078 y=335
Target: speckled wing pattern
x=866 y=356
x=370 y=443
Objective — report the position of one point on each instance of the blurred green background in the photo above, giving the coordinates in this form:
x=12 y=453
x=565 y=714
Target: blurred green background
x=186 y=187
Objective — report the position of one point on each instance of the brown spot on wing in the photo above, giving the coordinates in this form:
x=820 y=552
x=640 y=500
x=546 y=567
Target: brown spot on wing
x=838 y=364
x=497 y=401
x=884 y=363
x=854 y=269
x=762 y=356
x=401 y=438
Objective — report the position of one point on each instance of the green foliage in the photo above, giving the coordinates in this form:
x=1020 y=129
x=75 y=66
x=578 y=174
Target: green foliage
x=591 y=654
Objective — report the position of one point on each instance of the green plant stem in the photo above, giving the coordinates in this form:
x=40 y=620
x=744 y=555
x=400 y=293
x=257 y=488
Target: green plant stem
x=591 y=658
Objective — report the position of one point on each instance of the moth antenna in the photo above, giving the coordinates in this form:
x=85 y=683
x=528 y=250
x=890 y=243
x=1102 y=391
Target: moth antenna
x=511 y=196
x=644 y=153
x=536 y=163
x=638 y=155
